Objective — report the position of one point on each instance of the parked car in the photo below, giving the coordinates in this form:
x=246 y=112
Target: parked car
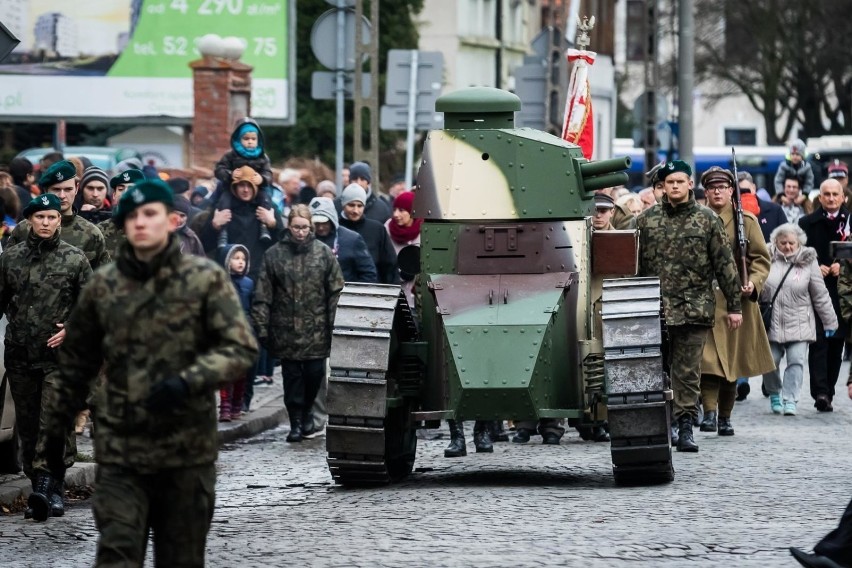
x=103 y=157
x=10 y=458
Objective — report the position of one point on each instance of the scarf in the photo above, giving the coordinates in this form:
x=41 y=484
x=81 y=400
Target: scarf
x=402 y=235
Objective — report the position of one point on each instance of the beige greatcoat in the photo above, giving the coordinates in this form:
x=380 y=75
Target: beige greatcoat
x=745 y=351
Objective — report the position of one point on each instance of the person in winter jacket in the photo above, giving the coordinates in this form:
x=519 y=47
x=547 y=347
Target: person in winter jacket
x=801 y=293
x=374 y=207
x=235 y=259
x=293 y=310
x=795 y=165
x=247 y=149
x=189 y=241
x=347 y=245
x=378 y=241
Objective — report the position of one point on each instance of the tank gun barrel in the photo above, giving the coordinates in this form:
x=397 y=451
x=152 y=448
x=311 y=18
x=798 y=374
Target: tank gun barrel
x=606 y=180
x=601 y=167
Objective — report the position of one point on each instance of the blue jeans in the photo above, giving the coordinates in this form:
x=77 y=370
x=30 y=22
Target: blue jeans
x=791 y=387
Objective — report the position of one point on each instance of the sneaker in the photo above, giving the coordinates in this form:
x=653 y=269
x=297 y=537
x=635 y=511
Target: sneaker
x=789 y=408
x=224 y=417
x=775 y=403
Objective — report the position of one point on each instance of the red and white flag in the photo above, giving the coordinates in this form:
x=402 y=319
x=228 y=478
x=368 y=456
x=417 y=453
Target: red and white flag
x=578 y=126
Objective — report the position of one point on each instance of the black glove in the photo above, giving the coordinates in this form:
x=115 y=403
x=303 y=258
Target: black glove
x=167 y=395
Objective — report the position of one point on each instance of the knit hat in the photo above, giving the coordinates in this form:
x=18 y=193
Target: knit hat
x=182 y=205
x=717 y=175
x=353 y=192
x=673 y=167
x=45 y=202
x=94 y=173
x=838 y=169
x=178 y=184
x=797 y=146
x=127 y=177
x=360 y=170
x=57 y=173
x=148 y=191
x=404 y=200
x=323 y=211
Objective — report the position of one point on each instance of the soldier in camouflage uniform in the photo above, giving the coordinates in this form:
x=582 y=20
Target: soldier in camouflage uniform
x=40 y=280
x=171 y=331
x=113 y=234
x=60 y=179
x=293 y=309
x=684 y=244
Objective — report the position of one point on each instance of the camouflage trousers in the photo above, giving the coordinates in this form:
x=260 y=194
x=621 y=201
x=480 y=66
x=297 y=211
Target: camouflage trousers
x=175 y=505
x=685 y=348
x=31 y=389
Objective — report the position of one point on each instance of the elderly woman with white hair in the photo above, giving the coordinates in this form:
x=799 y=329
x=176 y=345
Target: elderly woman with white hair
x=796 y=290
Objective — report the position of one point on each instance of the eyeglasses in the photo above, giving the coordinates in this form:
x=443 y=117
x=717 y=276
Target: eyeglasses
x=300 y=228
x=716 y=188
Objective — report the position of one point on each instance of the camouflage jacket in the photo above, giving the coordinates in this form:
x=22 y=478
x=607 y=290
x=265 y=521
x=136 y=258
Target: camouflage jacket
x=75 y=231
x=844 y=291
x=296 y=299
x=175 y=316
x=685 y=245
x=40 y=280
x=113 y=236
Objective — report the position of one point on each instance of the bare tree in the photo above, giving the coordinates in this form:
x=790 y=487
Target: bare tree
x=787 y=57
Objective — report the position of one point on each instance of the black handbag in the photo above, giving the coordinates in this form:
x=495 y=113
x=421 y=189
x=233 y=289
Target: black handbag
x=766 y=307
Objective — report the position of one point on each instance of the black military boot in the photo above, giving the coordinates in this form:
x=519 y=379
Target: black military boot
x=498 y=433
x=481 y=438
x=295 y=434
x=39 y=499
x=675 y=432
x=685 y=439
x=308 y=425
x=725 y=428
x=709 y=422
x=57 y=501
x=457 y=447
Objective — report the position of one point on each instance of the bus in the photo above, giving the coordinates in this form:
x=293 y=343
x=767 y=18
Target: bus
x=760 y=161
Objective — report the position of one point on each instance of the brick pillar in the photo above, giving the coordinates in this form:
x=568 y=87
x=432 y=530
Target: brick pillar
x=222 y=92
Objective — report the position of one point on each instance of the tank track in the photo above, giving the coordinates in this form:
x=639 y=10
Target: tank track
x=369 y=438
x=638 y=394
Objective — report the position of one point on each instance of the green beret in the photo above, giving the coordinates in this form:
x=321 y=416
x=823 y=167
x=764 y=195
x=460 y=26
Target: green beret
x=126 y=178
x=57 y=173
x=148 y=191
x=674 y=167
x=46 y=202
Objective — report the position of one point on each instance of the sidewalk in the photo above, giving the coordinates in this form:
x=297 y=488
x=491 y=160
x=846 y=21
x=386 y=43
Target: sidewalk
x=267 y=412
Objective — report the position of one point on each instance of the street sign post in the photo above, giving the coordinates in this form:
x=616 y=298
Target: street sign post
x=324 y=85
x=413 y=85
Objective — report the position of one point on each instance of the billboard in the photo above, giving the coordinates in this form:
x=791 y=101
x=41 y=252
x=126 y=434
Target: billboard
x=126 y=59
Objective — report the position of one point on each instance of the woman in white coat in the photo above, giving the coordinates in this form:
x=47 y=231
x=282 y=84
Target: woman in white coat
x=800 y=294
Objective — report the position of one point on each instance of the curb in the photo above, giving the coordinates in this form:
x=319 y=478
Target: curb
x=269 y=416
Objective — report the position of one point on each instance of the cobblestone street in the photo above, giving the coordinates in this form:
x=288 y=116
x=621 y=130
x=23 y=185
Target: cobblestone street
x=740 y=501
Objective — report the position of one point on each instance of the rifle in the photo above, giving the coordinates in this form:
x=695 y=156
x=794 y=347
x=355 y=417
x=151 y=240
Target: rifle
x=742 y=241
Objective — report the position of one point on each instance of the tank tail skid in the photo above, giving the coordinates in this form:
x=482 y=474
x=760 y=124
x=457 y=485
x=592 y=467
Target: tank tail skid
x=638 y=393
x=369 y=438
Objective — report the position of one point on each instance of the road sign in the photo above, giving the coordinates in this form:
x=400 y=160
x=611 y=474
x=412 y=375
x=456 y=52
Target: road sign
x=8 y=42
x=324 y=85
x=396 y=118
x=430 y=71
x=324 y=38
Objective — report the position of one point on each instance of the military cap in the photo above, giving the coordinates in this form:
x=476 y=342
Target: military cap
x=148 y=191
x=717 y=175
x=604 y=201
x=126 y=178
x=838 y=169
x=46 y=202
x=654 y=173
x=57 y=173
x=673 y=167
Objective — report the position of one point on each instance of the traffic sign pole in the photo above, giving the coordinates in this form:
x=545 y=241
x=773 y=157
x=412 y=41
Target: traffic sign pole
x=339 y=96
x=412 y=119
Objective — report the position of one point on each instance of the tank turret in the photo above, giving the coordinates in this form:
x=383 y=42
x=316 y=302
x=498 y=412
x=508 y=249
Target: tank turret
x=509 y=320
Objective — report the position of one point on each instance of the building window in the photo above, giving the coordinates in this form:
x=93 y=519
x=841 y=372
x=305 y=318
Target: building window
x=740 y=137
x=635 y=30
